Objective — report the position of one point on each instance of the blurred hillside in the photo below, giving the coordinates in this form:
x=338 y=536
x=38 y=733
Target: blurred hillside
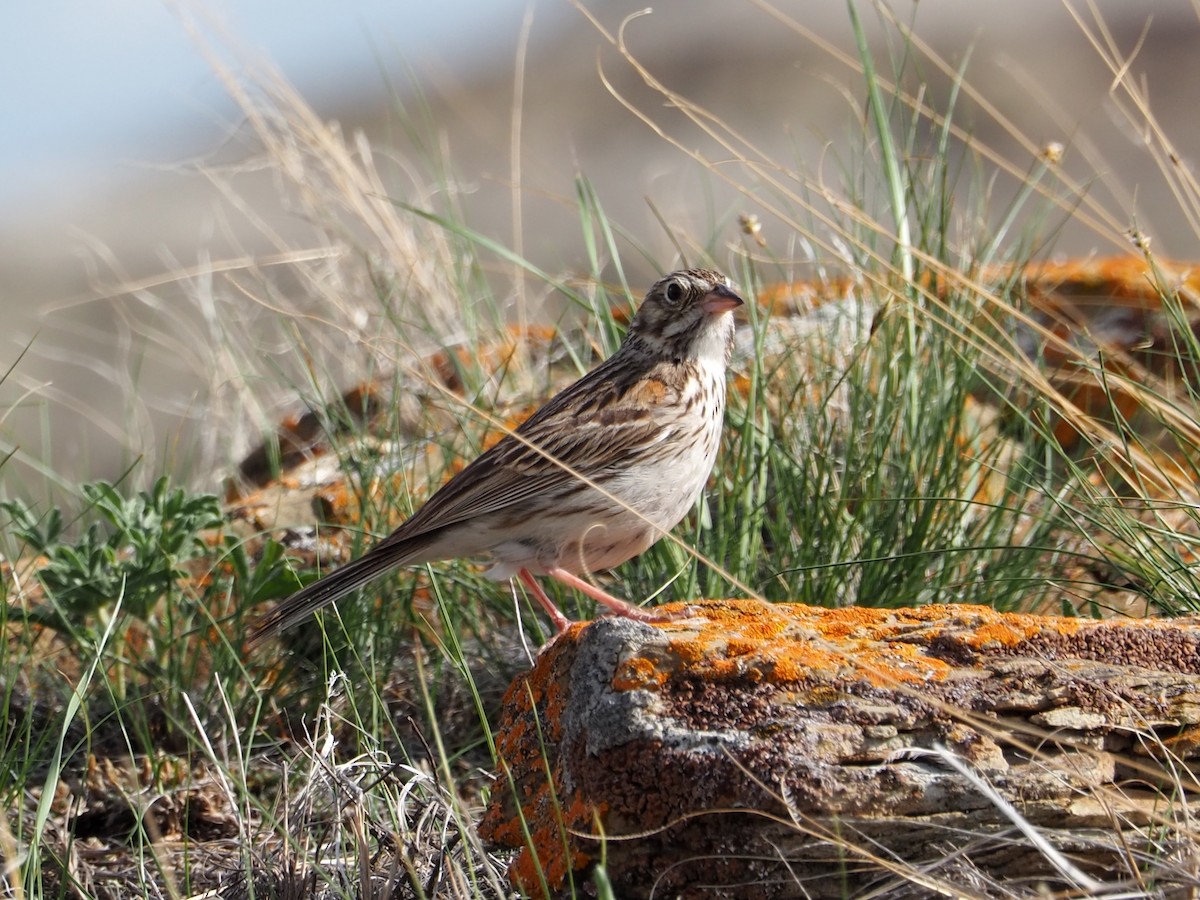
x=94 y=392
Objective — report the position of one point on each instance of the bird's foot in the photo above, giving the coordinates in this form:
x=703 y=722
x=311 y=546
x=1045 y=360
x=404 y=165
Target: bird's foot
x=560 y=622
x=617 y=606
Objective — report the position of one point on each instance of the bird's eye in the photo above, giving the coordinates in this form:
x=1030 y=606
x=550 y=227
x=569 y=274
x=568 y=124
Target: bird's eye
x=674 y=292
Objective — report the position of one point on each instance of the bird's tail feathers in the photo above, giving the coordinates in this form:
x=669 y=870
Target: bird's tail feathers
x=320 y=593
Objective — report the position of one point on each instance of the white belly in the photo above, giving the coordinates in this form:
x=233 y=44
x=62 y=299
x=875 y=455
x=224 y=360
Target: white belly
x=644 y=503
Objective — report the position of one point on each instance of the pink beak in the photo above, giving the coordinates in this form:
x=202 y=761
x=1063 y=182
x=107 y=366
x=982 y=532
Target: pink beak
x=720 y=299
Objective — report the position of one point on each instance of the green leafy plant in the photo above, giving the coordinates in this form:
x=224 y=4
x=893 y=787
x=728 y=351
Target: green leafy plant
x=268 y=577
x=136 y=550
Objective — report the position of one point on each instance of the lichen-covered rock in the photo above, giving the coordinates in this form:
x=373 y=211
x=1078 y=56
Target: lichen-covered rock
x=785 y=750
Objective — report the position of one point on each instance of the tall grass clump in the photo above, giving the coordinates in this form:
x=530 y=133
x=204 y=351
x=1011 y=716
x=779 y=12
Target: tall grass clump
x=867 y=457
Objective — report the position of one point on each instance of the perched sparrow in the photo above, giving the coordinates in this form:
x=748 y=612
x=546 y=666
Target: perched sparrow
x=590 y=480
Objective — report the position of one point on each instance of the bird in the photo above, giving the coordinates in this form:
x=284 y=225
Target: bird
x=596 y=476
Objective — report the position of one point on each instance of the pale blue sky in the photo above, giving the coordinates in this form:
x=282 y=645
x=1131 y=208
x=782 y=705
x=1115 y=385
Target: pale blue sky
x=89 y=85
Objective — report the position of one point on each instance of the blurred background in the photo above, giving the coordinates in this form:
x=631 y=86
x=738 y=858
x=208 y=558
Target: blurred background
x=122 y=143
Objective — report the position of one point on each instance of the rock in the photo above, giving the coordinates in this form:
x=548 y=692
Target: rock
x=782 y=750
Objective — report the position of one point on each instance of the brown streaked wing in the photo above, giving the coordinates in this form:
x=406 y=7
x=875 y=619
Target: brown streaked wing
x=570 y=428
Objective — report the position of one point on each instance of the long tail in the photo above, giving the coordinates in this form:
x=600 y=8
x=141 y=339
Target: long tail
x=333 y=586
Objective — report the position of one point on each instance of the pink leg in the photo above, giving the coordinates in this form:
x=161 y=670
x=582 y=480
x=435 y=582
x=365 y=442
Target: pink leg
x=619 y=607
x=561 y=623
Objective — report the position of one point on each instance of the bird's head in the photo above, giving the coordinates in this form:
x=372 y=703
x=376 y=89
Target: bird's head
x=686 y=316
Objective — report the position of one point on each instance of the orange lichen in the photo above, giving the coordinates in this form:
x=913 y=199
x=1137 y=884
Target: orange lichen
x=338 y=504
x=802 y=297
x=1011 y=629
x=782 y=643
x=764 y=643
x=840 y=623
x=741 y=385
x=740 y=646
x=542 y=829
x=687 y=651
x=1113 y=280
x=1184 y=744
x=545 y=854
x=796 y=667
x=997 y=634
x=637 y=673
x=447 y=364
